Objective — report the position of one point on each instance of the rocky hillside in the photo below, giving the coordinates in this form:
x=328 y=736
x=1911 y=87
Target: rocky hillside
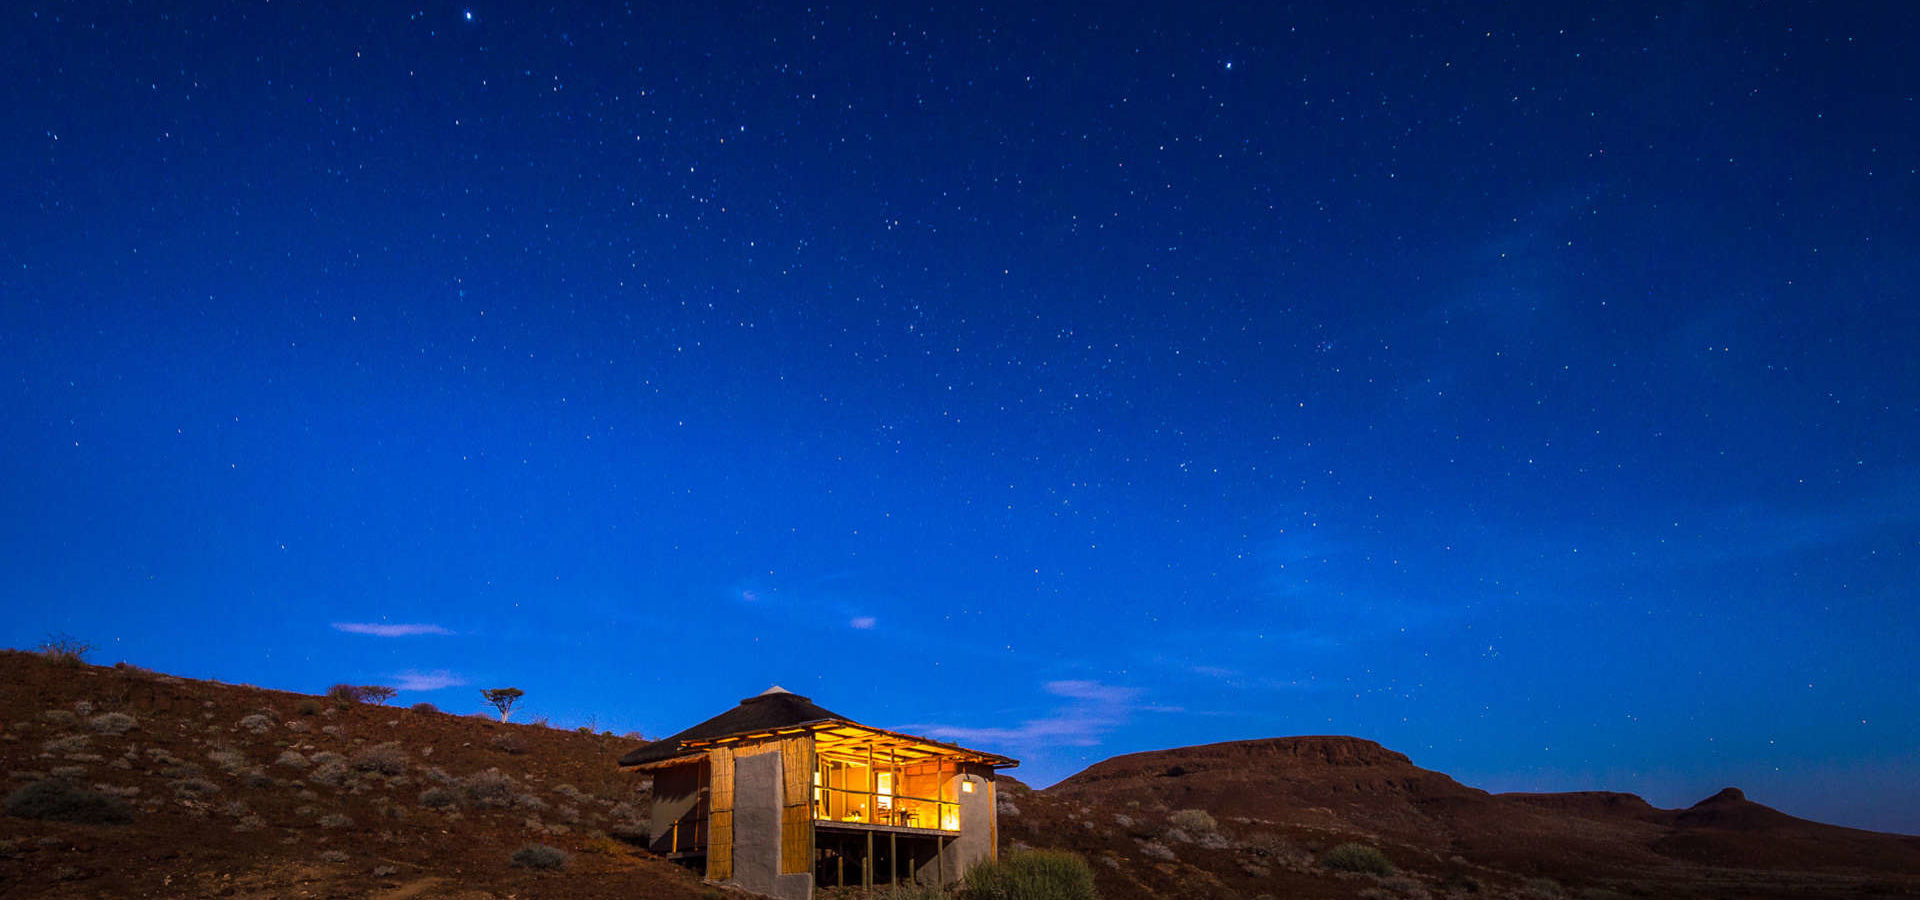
x=235 y=791
x=1247 y=818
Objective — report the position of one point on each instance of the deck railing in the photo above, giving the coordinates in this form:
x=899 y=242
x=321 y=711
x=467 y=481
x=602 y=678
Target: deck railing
x=874 y=808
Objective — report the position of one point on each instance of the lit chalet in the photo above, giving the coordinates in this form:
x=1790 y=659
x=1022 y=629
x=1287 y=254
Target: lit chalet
x=777 y=795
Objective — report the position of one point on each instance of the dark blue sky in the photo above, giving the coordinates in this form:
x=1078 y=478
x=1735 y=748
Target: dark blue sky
x=1531 y=391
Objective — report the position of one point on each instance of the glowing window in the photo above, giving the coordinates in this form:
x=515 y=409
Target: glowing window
x=966 y=787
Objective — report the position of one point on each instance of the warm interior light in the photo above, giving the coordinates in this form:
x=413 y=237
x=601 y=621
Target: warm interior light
x=966 y=787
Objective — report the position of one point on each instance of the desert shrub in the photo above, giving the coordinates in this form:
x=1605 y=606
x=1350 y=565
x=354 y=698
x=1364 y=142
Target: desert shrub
x=58 y=716
x=439 y=798
x=112 y=723
x=539 y=856
x=195 y=787
x=333 y=856
x=630 y=812
x=72 y=743
x=508 y=743
x=425 y=707
x=334 y=820
x=386 y=759
x=1031 y=875
x=1193 y=820
x=1006 y=808
x=63 y=801
x=1356 y=857
x=229 y=759
x=256 y=723
x=490 y=788
x=65 y=648
x=1156 y=850
x=292 y=759
x=332 y=773
x=307 y=707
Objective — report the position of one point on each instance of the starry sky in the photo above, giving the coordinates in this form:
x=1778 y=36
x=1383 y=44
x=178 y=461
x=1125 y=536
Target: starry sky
x=1531 y=390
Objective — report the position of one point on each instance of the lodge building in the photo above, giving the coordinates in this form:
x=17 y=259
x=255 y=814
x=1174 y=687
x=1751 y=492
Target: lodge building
x=777 y=795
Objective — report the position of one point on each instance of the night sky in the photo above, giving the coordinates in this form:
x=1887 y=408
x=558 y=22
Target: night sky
x=1531 y=391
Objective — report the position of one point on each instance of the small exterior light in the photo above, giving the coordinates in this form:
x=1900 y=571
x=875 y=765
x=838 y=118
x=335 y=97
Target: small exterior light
x=966 y=787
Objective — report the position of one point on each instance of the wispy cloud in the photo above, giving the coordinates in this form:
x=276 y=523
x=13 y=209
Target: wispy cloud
x=411 y=680
x=1094 y=691
x=1093 y=709
x=379 y=629
x=862 y=622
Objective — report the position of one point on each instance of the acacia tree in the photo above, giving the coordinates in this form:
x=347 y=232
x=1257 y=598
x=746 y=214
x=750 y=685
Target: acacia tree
x=503 y=699
x=378 y=694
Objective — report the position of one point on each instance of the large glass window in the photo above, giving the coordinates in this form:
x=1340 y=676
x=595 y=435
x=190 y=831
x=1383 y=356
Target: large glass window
x=861 y=783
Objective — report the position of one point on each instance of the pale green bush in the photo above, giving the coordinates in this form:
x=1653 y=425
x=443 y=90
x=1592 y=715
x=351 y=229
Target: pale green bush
x=1361 y=858
x=539 y=856
x=1031 y=875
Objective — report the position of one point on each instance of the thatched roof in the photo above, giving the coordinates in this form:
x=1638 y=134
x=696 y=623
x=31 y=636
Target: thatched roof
x=775 y=709
x=778 y=711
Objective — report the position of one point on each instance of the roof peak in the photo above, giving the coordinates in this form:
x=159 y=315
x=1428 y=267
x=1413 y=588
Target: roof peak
x=775 y=693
